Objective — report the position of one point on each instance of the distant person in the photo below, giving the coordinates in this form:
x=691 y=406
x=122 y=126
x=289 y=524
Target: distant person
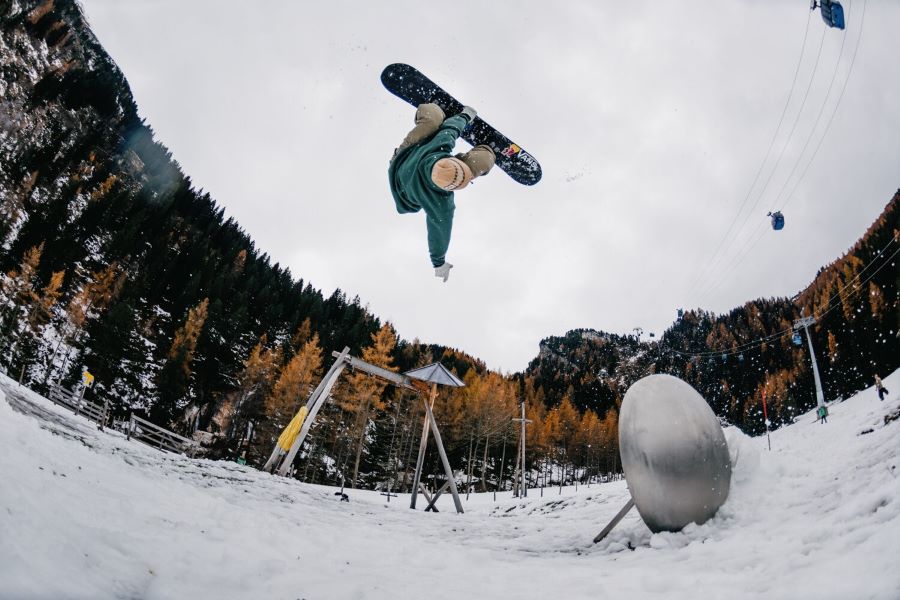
x=423 y=174
x=822 y=412
x=882 y=391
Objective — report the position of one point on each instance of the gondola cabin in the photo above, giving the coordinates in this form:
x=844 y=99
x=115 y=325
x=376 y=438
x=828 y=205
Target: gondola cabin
x=798 y=341
x=832 y=12
x=777 y=220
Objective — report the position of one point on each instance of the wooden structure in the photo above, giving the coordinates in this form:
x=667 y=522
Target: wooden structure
x=521 y=477
x=77 y=403
x=158 y=437
x=435 y=374
x=415 y=380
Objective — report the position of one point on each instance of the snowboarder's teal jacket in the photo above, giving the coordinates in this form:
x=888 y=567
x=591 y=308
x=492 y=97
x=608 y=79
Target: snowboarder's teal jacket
x=413 y=189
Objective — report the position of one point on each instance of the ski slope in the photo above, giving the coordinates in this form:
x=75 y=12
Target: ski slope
x=89 y=514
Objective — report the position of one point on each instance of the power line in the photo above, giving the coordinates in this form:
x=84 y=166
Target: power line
x=740 y=348
x=834 y=112
x=783 y=146
x=742 y=253
x=725 y=237
x=821 y=112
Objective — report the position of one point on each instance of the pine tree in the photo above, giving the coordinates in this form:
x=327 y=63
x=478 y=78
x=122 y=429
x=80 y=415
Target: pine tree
x=295 y=383
x=19 y=296
x=365 y=392
x=246 y=408
x=94 y=296
x=174 y=378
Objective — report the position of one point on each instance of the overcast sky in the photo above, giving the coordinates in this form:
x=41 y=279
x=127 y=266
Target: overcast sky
x=652 y=120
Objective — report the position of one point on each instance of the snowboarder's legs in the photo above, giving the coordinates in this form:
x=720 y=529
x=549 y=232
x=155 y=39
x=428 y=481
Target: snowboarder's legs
x=881 y=393
x=428 y=120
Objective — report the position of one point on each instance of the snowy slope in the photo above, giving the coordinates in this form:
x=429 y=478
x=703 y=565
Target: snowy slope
x=85 y=514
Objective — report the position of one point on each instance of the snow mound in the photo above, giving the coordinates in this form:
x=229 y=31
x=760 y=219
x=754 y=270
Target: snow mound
x=89 y=514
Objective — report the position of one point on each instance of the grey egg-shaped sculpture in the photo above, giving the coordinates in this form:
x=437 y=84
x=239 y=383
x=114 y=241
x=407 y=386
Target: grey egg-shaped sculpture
x=674 y=453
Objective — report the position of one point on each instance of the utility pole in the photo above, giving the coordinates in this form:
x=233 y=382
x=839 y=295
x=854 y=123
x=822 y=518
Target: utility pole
x=805 y=322
x=523 y=422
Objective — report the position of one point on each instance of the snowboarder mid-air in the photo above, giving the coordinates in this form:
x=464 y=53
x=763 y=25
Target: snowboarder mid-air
x=424 y=174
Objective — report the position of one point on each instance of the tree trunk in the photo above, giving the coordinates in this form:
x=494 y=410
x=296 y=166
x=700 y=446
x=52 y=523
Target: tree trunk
x=359 y=446
x=469 y=466
x=487 y=444
x=502 y=463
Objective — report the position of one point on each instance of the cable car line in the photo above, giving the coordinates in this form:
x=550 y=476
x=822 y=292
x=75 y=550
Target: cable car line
x=737 y=349
x=714 y=264
x=836 y=106
x=742 y=254
x=787 y=103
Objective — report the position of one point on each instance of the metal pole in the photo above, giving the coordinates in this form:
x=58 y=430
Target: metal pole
x=619 y=516
x=820 y=396
x=805 y=322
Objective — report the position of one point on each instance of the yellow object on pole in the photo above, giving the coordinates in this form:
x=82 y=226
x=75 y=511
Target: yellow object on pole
x=287 y=437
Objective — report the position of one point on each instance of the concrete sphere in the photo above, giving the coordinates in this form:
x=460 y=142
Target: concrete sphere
x=674 y=453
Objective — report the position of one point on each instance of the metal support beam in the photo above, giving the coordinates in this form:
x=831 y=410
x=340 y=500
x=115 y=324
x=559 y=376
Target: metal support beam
x=615 y=521
x=804 y=322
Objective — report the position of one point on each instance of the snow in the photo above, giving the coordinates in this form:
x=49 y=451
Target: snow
x=89 y=514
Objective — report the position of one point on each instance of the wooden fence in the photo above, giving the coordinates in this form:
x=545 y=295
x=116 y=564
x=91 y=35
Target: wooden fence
x=79 y=405
x=157 y=437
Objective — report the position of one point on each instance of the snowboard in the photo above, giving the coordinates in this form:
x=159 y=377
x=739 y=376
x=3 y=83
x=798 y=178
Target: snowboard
x=407 y=83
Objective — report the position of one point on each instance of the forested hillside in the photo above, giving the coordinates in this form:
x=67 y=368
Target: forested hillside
x=111 y=260
x=733 y=359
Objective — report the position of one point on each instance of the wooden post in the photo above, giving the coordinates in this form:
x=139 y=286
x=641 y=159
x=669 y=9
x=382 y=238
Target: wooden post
x=316 y=399
x=423 y=443
x=440 y=445
x=524 y=422
x=80 y=400
x=389 y=494
x=105 y=411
